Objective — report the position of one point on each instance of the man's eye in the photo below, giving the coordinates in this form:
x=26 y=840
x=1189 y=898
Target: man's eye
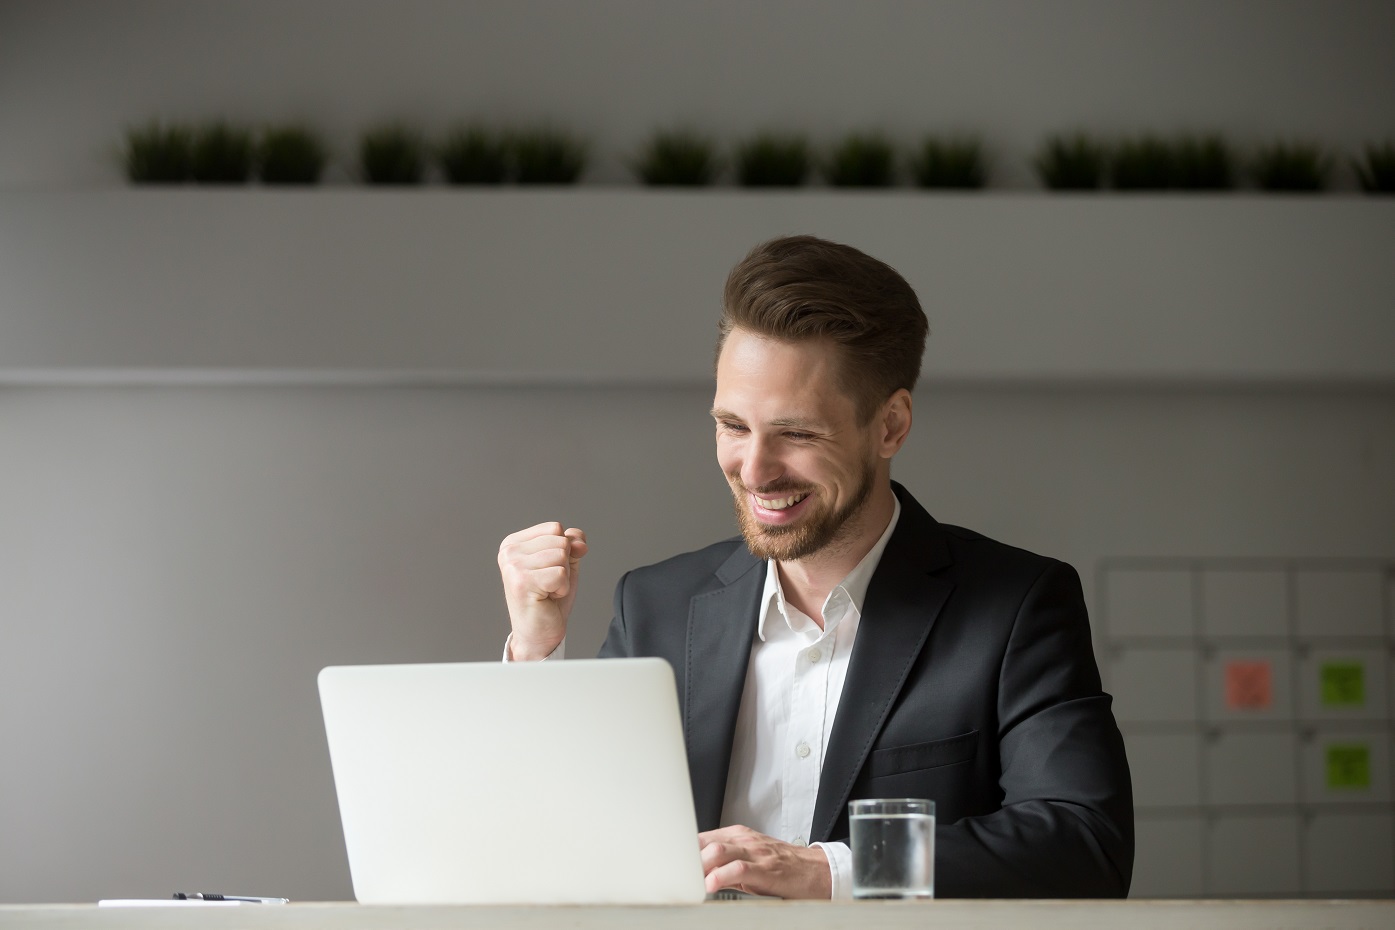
x=734 y=427
x=799 y=437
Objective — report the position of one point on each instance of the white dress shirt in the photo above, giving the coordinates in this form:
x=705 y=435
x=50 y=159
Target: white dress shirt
x=794 y=681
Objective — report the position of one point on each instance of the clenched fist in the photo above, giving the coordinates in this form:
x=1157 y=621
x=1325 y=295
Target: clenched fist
x=539 y=568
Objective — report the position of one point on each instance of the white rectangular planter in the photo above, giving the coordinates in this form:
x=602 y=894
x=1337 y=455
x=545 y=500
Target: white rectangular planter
x=607 y=285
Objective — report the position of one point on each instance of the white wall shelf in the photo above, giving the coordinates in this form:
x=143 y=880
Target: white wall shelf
x=616 y=286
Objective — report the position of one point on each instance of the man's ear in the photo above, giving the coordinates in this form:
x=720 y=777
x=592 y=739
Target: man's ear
x=894 y=423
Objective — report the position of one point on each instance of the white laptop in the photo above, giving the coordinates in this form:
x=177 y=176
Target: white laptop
x=527 y=783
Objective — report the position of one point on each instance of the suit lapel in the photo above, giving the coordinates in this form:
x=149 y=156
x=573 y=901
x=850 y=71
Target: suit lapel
x=902 y=603
x=721 y=627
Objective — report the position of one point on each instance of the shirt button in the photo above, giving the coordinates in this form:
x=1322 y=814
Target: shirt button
x=815 y=655
x=800 y=841
x=802 y=750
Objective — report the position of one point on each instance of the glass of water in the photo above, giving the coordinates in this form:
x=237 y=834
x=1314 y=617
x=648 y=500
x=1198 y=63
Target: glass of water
x=893 y=848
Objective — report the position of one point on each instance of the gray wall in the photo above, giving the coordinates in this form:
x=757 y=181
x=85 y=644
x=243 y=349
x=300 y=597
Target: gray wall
x=177 y=562
x=73 y=73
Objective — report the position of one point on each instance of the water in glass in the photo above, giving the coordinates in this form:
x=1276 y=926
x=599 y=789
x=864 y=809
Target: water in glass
x=893 y=855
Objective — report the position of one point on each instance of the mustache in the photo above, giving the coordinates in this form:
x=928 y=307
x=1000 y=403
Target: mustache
x=777 y=487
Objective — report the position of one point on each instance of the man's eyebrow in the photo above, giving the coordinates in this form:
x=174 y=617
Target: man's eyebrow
x=797 y=423
x=719 y=413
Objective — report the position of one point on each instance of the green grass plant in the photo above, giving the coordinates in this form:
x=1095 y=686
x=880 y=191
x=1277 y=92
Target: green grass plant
x=392 y=155
x=1291 y=167
x=158 y=153
x=678 y=158
x=772 y=159
x=861 y=160
x=547 y=156
x=291 y=154
x=1071 y=162
x=1203 y=163
x=1145 y=163
x=1376 y=168
x=222 y=154
x=949 y=164
x=474 y=155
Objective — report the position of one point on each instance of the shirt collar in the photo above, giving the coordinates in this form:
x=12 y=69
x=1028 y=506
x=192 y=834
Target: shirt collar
x=853 y=587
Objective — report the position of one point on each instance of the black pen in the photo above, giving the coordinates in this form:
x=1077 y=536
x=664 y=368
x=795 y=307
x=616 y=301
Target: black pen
x=244 y=898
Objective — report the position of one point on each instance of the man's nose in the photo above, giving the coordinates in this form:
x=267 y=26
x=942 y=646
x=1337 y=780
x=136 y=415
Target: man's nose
x=761 y=465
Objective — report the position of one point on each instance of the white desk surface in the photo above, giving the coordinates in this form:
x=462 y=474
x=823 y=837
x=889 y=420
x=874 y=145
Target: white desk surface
x=730 y=915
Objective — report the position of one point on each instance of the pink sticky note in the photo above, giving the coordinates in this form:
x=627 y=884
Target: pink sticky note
x=1249 y=685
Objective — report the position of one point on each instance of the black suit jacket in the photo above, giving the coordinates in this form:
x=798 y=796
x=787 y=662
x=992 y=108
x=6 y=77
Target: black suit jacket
x=972 y=682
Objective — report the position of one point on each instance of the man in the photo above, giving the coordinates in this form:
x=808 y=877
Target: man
x=847 y=645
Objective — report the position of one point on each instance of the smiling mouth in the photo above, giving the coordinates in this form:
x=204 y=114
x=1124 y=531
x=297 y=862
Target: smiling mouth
x=780 y=503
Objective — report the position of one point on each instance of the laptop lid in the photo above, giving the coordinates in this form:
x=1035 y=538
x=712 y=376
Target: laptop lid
x=492 y=783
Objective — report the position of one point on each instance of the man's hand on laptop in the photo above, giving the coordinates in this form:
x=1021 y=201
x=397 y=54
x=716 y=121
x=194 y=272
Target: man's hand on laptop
x=539 y=569
x=739 y=857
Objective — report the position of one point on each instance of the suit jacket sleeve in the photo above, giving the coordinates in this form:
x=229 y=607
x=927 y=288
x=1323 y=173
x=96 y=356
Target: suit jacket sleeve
x=1065 y=824
x=616 y=644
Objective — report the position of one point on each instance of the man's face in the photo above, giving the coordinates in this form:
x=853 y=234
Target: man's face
x=799 y=464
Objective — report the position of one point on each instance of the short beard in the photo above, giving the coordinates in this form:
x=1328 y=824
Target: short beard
x=786 y=543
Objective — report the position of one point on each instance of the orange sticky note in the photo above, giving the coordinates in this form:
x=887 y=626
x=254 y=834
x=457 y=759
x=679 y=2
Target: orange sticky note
x=1249 y=685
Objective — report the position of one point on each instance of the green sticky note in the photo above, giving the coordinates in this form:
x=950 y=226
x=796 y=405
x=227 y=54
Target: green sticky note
x=1343 y=684
x=1348 y=766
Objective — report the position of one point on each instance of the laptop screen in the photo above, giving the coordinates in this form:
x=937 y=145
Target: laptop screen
x=524 y=783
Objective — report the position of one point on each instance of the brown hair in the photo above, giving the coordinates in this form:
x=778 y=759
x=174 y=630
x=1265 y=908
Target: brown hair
x=798 y=288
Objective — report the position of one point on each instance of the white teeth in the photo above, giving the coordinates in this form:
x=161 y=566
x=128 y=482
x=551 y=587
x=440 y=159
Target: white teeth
x=780 y=503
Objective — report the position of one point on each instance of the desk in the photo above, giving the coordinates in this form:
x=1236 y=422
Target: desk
x=731 y=915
